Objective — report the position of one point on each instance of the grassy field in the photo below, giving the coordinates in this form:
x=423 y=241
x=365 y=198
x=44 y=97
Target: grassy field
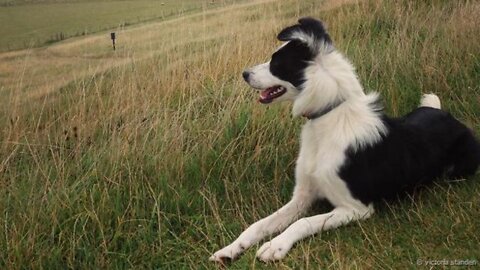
x=26 y=24
x=156 y=155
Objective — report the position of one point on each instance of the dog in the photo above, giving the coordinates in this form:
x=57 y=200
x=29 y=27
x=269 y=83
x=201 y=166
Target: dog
x=351 y=153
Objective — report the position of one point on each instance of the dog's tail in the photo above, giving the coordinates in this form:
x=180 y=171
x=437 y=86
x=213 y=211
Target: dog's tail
x=430 y=100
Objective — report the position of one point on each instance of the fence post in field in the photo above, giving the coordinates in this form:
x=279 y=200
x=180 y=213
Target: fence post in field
x=112 y=36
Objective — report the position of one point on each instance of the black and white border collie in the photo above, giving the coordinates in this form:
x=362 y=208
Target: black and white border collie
x=351 y=153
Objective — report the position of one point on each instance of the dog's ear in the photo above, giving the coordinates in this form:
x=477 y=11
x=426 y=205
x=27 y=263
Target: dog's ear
x=308 y=30
x=288 y=33
x=315 y=27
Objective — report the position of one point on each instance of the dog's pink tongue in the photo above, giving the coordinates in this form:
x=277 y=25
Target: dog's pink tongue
x=264 y=94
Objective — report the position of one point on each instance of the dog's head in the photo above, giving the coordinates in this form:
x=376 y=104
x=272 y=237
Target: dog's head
x=283 y=76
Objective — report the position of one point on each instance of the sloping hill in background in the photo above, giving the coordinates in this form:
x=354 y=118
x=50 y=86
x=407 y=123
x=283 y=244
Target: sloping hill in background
x=27 y=24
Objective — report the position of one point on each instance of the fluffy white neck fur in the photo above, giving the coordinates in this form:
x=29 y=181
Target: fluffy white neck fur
x=329 y=79
x=356 y=121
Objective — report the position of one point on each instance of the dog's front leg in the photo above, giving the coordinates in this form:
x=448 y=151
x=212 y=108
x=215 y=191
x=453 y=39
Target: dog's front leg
x=274 y=223
x=278 y=247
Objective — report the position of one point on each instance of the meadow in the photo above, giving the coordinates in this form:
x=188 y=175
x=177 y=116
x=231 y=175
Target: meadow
x=157 y=154
x=27 y=24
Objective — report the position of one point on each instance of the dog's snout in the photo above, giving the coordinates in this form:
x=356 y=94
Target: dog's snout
x=246 y=75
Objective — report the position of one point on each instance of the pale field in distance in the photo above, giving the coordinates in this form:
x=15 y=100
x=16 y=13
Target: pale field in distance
x=26 y=24
x=157 y=154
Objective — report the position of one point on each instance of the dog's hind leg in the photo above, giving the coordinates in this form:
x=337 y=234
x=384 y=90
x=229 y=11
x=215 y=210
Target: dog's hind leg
x=278 y=247
x=465 y=156
x=301 y=200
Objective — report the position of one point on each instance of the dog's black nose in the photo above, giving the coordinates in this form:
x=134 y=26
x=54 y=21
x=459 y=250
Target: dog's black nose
x=245 y=75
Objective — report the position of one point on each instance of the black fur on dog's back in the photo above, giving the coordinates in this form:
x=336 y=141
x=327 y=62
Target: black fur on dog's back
x=419 y=147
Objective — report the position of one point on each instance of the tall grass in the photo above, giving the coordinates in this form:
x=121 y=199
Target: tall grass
x=166 y=157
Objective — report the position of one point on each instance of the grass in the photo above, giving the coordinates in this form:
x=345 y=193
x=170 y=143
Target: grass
x=27 y=24
x=156 y=155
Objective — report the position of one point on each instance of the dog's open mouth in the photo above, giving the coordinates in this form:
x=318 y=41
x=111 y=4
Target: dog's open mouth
x=271 y=93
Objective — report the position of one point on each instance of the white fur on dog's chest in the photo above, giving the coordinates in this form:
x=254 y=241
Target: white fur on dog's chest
x=320 y=151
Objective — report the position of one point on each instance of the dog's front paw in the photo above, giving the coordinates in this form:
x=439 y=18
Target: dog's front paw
x=227 y=253
x=274 y=250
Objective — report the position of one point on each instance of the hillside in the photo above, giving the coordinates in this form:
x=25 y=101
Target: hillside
x=37 y=23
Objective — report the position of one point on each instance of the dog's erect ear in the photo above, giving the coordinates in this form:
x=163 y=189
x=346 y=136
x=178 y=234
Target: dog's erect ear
x=308 y=30
x=288 y=33
x=315 y=27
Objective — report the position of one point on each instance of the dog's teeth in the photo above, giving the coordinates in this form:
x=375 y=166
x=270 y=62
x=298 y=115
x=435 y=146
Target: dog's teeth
x=277 y=91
